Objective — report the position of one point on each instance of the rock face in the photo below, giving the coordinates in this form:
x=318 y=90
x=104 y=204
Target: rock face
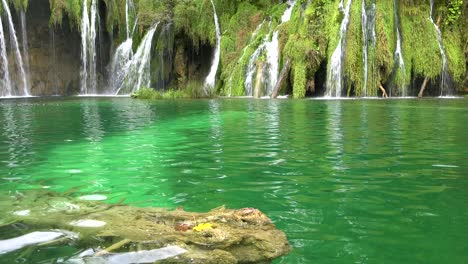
x=53 y=53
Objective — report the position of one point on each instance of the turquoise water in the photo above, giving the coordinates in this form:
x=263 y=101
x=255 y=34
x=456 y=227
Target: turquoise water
x=352 y=181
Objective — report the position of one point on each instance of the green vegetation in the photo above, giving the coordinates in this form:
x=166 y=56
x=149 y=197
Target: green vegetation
x=307 y=40
x=192 y=90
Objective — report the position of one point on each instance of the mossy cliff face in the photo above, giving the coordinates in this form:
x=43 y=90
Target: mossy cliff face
x=184 y=45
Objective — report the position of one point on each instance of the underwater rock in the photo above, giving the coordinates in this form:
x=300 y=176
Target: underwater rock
x=218 y=236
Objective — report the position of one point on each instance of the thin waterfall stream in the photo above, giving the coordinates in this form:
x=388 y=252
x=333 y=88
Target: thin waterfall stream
x=16 y=50
x=335 y=71
x=88 y=49
x=445 y=77
x=25 y=44
x=368 y=47
x=400 y=62
x=5 y=84
x=210 y=80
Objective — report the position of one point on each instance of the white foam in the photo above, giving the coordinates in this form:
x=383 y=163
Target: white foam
x=88 y=223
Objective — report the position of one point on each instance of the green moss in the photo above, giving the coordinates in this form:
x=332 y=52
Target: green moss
x=385 y=27
x=190 y=90
x=71 y=8
x=308 y=39
x=300 y=79
x=454 y=49
x=420 y=44
x=354 y=64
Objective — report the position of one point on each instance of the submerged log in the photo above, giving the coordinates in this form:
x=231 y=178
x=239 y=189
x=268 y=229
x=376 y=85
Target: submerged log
x=282 y=79
x=423 y=87
x=219 y=236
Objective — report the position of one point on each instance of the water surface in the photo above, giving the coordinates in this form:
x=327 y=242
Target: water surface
x=353 y=181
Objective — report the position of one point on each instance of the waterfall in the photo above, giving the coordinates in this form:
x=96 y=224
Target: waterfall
x=16 y=50
x=398 y=51
x=119 y=65
x=210 y=80
x=368 y=41
x=123 y=55
x=5 y=84
x=335 y=72
x=251 y=68
x=272 y=59
x=24 y=40
x=445 y=77
x=88 y=49
x=137 y=70
x=130 y=22
x=271 y=48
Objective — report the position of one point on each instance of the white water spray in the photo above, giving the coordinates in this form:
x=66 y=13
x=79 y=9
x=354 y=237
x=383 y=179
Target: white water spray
x=137 y=73
x=335 y=72
x=210 y=80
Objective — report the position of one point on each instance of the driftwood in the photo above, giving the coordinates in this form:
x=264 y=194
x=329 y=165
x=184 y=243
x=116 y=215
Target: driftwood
x=384 y=93
x=423 y=87
x=219 y=236
x=282 y=79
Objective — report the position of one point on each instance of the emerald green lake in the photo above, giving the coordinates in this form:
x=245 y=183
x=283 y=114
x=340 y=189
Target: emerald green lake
x=348 y=181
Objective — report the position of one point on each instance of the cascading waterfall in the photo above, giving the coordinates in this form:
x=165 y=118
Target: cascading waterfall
x=400 y=62
x=119 y=65
x=16 y=50
x=124 y=53
x=445 y=77
x=369 y=41
x=271 y=47
x=251 y=67
x=210 y=80
x=88 y=49
x=254 y=35
x=5 y=84
x=138 y=72
x=335 y=71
